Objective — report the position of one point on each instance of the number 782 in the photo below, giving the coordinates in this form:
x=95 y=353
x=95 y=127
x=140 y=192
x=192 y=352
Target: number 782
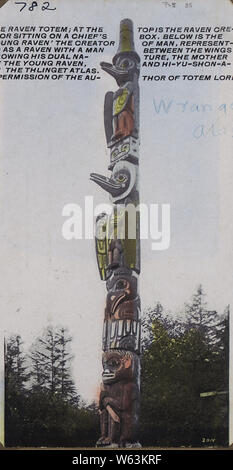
x=33 y=5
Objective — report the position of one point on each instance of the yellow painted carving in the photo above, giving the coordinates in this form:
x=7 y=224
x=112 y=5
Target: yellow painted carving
x=120 y=101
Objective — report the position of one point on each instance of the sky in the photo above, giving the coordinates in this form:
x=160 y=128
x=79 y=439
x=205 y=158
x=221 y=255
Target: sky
x=52 y=138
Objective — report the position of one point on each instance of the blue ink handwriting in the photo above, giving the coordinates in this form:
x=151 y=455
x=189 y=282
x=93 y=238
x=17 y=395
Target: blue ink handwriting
x=188 y=107
x=216 y=129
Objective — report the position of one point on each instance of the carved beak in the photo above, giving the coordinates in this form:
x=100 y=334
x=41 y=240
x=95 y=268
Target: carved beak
x=109 y=68
x=107 y=184
x=113 y=71
x=118 y=301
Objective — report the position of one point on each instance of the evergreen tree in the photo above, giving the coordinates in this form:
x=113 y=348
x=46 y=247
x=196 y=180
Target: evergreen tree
x=44 y=358
x=15 y=368
x=43 y=408
x=50 y=356
x=16 y=394
x=199 y=317
x=221 y=351
x=66 y=386
x=151 y=316
x=180 y=362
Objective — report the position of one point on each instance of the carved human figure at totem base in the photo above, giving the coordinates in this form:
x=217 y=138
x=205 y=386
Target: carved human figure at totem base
x=118 y=403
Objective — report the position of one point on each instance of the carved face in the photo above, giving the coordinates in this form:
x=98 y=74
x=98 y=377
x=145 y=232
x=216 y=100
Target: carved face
x=127 y=65
x=118 y=366
x=124 y=67
x=122 y=177
x=122 y=287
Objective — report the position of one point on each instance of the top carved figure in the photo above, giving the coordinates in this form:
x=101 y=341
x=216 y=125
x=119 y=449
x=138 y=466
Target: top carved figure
x=121 y=110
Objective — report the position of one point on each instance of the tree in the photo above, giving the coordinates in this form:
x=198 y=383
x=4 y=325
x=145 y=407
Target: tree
x=151 y=315
x=15 y=368
x=16 y=394
x=199 y=317
x=66 y=386
x=51 y=357
x=42 y=406
x=181 y=360
x=44 y=358
x=221 y=351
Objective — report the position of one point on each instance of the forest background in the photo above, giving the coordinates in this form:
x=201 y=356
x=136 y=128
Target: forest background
x=184 y=384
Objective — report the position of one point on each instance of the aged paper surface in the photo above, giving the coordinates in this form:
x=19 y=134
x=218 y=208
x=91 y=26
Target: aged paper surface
x=52 y=137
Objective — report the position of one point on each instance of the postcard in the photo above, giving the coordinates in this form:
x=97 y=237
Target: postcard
x=116 y=217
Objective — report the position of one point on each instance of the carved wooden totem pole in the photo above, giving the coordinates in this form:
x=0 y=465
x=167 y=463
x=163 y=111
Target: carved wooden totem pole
x=118 y=251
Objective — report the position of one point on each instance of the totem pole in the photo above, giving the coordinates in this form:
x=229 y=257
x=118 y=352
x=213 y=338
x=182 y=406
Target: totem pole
x=118 y=251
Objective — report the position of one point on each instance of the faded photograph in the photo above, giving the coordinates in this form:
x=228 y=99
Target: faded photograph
x=116 y=240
